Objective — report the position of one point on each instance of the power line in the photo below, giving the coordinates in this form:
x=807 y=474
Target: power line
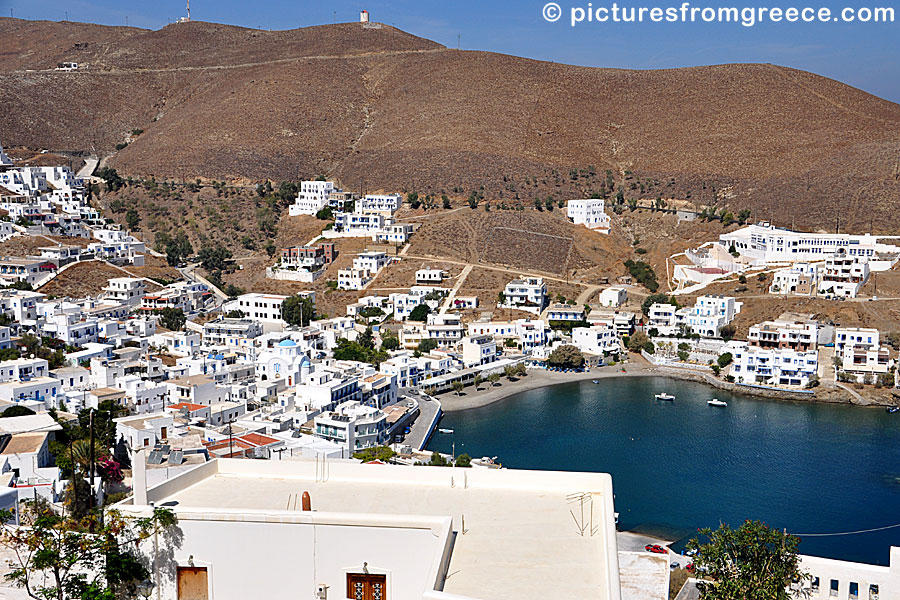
x=847 y=532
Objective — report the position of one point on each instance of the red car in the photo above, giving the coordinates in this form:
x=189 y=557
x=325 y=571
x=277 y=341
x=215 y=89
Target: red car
x=689 y=568
x=656 y=549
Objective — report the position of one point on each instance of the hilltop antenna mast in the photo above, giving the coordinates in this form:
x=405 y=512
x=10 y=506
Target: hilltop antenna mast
x=188 y=10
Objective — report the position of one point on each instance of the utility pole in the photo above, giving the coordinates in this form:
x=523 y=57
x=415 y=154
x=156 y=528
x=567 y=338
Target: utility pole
x=91 y=496
x=458 y=40
x=74 y=475
x=230 y=439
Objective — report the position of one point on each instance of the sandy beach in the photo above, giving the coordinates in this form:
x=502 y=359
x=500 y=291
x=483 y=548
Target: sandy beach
x=536 y=378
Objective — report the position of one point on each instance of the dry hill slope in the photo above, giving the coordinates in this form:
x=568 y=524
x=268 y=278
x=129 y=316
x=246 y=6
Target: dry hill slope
x=382 y=109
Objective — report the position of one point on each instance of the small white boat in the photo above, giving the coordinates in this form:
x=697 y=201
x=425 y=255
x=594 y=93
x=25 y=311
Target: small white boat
x=716 y=402
x=445 y=430
x=665 y=397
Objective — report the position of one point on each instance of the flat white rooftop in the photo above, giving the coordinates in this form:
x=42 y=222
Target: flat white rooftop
x=515 y=534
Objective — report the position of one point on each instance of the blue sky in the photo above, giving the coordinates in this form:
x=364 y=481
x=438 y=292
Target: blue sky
x=863 y=55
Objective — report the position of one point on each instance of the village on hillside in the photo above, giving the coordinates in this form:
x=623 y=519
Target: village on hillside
x=203 y=369
x=367 y=337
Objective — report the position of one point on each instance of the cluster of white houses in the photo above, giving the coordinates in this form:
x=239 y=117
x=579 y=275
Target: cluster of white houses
x=50 y=201
x=810 y=264
x=245 y=384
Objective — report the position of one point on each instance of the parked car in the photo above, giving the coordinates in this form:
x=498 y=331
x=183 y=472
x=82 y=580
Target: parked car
x=655 y=548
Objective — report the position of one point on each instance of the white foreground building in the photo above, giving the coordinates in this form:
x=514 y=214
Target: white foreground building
x=462 y=531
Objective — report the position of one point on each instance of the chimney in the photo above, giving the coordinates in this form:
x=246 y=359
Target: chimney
x=139 y=477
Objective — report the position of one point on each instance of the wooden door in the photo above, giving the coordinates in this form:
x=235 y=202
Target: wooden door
x=366 y=587
x=193 y=583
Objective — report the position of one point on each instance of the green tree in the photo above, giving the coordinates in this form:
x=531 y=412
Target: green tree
x=413 y=199
x=177 y=248
x=445 y=200
x=478 y=381
x=724 y=360
x=426 y=346
x=366 y=339
x=111 y=178
x=103 y=566
x=752 y=562
x=637 y=341
x=132 y=219
x=298 y=311
x=727 y=332
x=438 y=460
x=464 y=461
x=172 y=319
x=390 y=342
x=457 y=387
x=16 y=410
x=419 y=313
x=382 y=453
x=494 y=378
x=566 y=357
x=271 y=249
x=9 y=354
x=643 y=273
x=214 y=258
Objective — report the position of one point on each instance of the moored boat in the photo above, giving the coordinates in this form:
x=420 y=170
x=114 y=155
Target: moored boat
x=716 y=402
x=664 y=397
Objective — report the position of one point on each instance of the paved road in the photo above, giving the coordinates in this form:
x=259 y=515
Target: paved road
x=419 y=429
x=90 y=163
x=459 y=283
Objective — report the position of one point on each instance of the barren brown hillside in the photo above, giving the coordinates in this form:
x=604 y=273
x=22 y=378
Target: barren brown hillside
x=381 y=109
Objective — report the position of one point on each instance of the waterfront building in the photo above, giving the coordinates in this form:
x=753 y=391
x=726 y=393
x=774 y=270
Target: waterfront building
x=860 y=354
x=600 y=340
x=622 y=321
x=353 y=426
x=445 y=329
x=478 y=350
x=773 y=365
x=792 y=331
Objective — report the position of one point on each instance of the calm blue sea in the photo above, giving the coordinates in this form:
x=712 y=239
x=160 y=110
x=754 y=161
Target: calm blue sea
x=809 y=468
